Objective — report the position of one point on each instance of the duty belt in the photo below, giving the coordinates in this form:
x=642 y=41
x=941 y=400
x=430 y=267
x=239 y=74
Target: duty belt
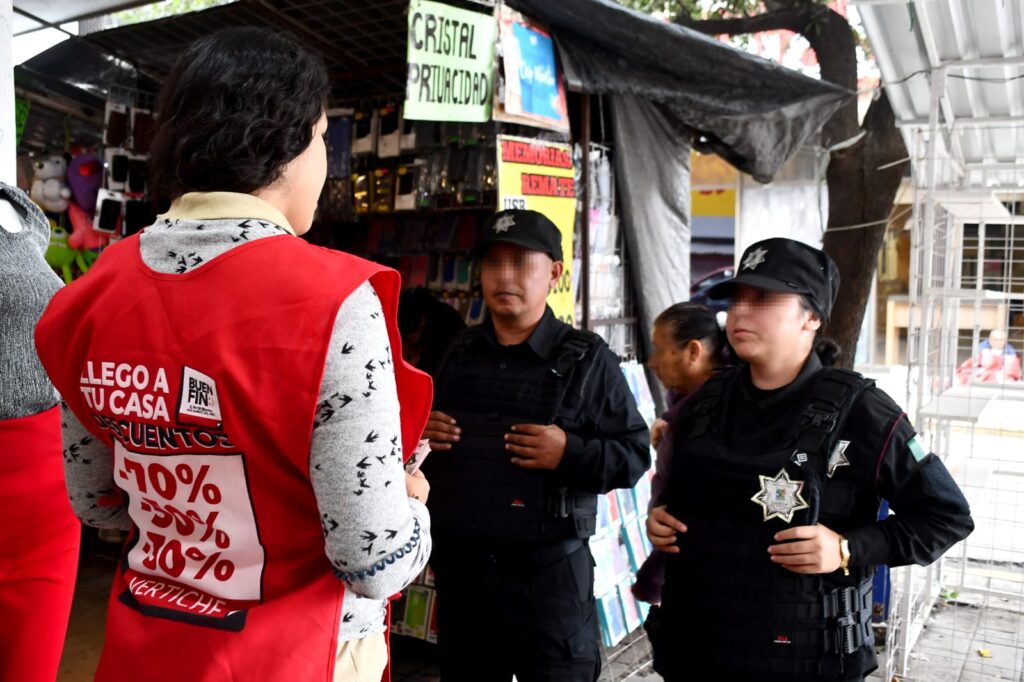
x=847 y=611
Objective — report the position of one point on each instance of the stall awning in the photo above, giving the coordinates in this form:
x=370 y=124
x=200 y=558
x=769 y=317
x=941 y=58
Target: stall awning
x=362 y=43
x=752 y=112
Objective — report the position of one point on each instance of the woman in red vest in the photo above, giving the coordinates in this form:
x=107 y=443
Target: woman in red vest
x=237 y=397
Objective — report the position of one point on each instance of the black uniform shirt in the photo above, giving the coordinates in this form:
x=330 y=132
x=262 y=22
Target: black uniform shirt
x=883 y=459
x=607 y=441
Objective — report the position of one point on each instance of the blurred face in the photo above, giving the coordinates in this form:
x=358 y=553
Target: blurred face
x=997 y=340
x=303 y=179
x=679 y=368
x=516 y=282
x=768 y=327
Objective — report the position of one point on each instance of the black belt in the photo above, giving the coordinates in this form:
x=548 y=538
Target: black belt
x=540 y=554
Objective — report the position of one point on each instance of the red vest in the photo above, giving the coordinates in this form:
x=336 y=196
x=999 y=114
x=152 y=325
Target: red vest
x=205 y=384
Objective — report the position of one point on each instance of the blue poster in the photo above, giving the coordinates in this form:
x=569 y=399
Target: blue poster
x=538 y=79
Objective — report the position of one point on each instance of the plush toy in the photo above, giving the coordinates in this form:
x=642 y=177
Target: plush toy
x=85 y=177
x=49 y=186
x=83 y=236
x=61 y=256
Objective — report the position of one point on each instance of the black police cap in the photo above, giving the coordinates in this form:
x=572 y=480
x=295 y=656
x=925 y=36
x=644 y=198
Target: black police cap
x=787 y=265
x=528 y=229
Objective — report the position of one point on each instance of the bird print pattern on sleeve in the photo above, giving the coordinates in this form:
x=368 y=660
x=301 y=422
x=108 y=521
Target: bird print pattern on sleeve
x=177 y=245
x=88 y=472
x=377 y=539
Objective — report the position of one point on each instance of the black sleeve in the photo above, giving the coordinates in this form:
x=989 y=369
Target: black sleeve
x=930 y=511
x=616 y=452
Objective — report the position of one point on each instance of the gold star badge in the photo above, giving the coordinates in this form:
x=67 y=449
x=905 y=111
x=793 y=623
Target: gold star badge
x=780 y=497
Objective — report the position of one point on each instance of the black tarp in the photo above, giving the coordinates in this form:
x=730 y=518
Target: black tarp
x=671 y=86
x=748 y=110
x=652 y=171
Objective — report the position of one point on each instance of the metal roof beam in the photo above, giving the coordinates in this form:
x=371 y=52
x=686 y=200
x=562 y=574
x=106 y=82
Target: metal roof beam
x=867 y=3
x=975 y=122
x=931 y=49
x=899 y=94
x=1010 y=48
x=963 y=32
x=995 y=166
x=984 y=61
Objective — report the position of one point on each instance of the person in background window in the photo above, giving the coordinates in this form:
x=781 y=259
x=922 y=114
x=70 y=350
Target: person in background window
x=996 y=362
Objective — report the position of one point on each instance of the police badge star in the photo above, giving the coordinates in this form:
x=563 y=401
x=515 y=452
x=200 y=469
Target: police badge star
x=780 y=497
x=754 y=258
x=503 y=223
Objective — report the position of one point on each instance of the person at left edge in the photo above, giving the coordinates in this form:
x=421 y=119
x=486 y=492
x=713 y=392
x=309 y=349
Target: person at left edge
x=39 y=540
x=246 y=403
x=532 y=421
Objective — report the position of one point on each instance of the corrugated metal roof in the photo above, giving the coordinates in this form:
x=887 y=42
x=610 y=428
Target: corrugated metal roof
x=28 y=13
x=363 y=43
x=978 y=45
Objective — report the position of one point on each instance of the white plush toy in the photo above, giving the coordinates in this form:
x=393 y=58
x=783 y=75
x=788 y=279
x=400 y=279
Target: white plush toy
x=49 y=184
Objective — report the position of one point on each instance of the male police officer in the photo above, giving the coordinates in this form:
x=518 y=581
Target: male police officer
x=533 y=420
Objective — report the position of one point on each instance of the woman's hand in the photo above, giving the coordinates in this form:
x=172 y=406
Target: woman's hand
x=417 y=487
x=807 y=549
x=662 y=528
x=658 y=432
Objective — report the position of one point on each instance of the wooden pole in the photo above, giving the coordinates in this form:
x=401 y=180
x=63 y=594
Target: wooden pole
x=584 y=198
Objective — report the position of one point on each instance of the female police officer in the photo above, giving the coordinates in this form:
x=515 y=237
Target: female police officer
x=770 y=522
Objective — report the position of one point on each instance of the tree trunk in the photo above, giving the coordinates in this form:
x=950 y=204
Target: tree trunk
x=858 y=192
x=861 y=193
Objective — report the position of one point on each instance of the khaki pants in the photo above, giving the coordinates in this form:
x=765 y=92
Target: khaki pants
x=361 y=660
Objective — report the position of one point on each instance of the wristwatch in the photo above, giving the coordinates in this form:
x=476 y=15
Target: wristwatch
x=844 y=553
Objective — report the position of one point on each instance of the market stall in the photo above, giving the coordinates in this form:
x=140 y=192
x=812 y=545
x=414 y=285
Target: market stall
x=441 y=114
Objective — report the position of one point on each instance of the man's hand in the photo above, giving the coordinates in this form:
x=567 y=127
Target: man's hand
x=807 y=549
x=441 y=431
x=662 y=528
x=658 y=432
x=536 y=446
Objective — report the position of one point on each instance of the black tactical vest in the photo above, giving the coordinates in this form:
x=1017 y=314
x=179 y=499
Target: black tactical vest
x=726 y=605
x=476 y=493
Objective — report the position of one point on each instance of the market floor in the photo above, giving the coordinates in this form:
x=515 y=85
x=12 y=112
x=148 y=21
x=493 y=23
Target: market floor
x=414 y=660
x=88 y=614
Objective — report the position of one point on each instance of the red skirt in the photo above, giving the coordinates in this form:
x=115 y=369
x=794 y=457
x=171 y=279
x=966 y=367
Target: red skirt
x=39 y=537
